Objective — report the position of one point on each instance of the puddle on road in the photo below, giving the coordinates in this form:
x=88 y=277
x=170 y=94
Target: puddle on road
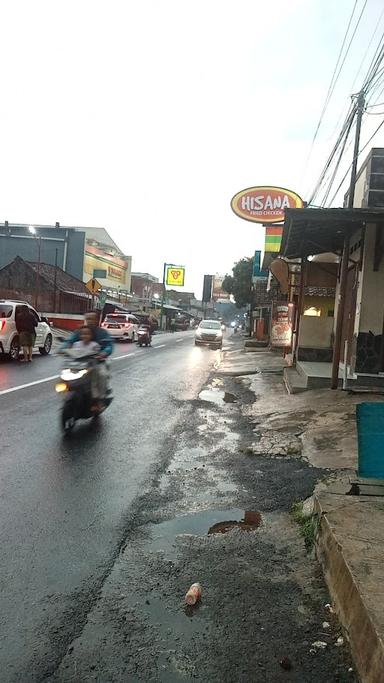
x=200 y=524
x=213 y=395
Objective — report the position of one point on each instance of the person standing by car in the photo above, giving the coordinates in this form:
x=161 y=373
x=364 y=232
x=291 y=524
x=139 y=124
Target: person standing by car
x=26 y=324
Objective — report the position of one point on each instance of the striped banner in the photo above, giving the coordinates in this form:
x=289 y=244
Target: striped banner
x=273 y=237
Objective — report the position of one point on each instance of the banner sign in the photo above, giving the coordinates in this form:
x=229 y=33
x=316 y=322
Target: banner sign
x=273 y=235
x=281 y=327
x=175 y=276
x=218 y=293
x=256 y=271
x=207 y=288
x=265 y=204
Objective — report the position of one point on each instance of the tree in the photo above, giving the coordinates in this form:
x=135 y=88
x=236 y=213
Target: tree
x=239 y=283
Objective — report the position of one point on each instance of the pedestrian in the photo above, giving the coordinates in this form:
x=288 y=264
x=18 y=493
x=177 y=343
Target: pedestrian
x=26 y=324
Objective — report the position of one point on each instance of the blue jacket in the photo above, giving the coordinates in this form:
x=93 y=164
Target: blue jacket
x=99 y=335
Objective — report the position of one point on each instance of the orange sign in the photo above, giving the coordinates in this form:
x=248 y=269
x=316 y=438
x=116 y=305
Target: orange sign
x=265 y=204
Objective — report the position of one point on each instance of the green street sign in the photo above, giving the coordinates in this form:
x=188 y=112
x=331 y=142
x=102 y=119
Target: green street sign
x=102 y=298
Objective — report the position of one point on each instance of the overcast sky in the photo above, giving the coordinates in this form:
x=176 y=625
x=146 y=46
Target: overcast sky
x=146 y=116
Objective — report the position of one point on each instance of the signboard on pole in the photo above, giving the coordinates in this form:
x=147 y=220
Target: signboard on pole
x=218 y=293
x=207 y=288
x=102 y=298
x=175 y=276
x=93 y=285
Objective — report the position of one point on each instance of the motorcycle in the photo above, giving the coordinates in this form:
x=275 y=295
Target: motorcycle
x=144 y=337
x=75 y=385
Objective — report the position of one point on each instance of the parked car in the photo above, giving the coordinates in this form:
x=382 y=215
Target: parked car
x=210 y=333
x=9 y=338
x=121 y=326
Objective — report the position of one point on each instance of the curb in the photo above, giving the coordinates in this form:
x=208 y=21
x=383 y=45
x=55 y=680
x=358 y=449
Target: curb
x=365 y=640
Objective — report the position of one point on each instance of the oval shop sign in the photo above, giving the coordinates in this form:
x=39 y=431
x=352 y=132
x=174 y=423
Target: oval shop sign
x=265 y=204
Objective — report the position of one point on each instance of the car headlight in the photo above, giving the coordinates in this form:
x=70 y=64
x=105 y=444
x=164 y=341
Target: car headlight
x=68 y=375
x=219 y=334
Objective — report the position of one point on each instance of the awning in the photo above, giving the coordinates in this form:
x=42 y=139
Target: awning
x=316 y=231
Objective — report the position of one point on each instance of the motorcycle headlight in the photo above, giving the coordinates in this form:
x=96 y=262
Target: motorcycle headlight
x=68 y=375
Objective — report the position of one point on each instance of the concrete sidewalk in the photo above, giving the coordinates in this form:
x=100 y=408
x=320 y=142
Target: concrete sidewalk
x=320 y=427
x=350 y=548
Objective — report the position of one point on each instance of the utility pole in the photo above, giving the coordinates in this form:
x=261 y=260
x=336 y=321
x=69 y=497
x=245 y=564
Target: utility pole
x=163 y=297
x=55 y=282
x=347 y=243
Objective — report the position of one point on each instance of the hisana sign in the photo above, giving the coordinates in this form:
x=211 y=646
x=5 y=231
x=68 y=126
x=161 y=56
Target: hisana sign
x=265 y=204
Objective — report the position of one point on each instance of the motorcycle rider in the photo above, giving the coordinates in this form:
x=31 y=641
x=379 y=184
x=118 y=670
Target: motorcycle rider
x=104 y=340
x=146 y=325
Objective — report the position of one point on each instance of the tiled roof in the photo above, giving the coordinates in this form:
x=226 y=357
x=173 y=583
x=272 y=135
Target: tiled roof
x=320 y=291
x=64 y=281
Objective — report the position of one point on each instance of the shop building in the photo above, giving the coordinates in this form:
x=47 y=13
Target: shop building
x=310 y=232
x=52 y=244
x=104 y=261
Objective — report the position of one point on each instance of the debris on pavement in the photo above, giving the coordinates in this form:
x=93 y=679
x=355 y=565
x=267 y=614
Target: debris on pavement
x=251 y=521
x=326 y=624
x=329 y=607
x=319 y=645
x=286 y=664
x=193 y=594
x=276 y=443
x=229 y=398
x=339 y=641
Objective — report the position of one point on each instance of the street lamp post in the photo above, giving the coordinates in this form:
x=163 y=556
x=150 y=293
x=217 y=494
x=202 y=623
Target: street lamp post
x=32 y=230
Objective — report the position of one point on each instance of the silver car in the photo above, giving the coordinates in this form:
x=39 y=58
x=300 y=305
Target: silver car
x=210 y=333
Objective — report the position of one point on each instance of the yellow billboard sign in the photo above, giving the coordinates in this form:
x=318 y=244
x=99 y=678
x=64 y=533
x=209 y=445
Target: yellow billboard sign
x=175 y=276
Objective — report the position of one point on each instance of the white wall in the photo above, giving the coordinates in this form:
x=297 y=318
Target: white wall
x=315 y=333
x=371 y=289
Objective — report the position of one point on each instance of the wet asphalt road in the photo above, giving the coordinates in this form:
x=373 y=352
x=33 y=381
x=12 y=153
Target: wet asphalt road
x=103 y=533
x=65 y=503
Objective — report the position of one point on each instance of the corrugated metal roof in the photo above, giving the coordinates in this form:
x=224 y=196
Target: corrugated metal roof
x=316 y=231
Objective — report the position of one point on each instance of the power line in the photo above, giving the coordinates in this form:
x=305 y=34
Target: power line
x=334 y=174
x=368 y=48
x=329 y=92
x=351 y=89
x=350 y=166
x=346 y=127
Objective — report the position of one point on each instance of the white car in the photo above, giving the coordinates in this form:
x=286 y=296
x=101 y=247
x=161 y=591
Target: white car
x=210 y=333
x=9 y=338
x=122 y=326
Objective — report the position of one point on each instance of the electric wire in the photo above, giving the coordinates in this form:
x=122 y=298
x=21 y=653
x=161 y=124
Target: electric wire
x=332 y=82
x=346 y=128
x=350 y=166
x=351 y=89
x=337 y=165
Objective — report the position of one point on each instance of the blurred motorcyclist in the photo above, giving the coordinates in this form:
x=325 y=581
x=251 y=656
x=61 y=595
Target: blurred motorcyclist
x=146 y=325
x=103 y=339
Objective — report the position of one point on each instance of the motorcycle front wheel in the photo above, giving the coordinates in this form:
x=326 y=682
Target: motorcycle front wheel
x=67 y=418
